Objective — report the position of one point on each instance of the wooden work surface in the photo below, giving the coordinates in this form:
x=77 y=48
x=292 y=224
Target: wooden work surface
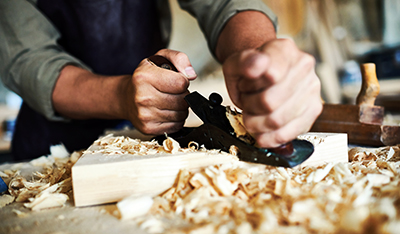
x=68 y=219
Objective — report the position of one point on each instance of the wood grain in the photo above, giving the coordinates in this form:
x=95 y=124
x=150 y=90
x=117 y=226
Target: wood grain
x=328 y=147
x=99 y=179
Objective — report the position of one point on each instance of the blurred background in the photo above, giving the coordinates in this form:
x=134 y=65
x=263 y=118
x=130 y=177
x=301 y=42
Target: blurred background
x=340 y=34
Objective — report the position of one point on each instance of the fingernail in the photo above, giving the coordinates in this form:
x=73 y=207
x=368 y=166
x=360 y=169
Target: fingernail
x=190 y=73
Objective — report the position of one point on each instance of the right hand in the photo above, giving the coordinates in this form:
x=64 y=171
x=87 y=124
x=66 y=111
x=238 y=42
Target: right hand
x=155 y=95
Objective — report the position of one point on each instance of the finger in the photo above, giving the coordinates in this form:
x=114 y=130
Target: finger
x=180 y=61
x=284 y=54
x=307 y=93
x=248 y=64
x=150 y=97
x=169 y=127
x=163 y=80
x=172 y=102
x=149 y=120
x=169 y=115
x=279 y=96
x=158 y=128
x=277 y=119
x=244 y=66
x=297 y=85
x=290 y=131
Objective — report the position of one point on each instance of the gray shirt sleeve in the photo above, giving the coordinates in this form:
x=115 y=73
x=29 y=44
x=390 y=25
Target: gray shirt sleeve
x=212 y=15
x=31 y=59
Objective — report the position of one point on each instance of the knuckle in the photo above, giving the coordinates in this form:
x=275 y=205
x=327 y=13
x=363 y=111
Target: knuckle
x=309 y=61
x=180 y=56
x=147 y=129
x=181 y=83
x=315 y=88
x=268 y=104
x=138 y=77
x=273 y=123
x=143 y=100
x=281 y=137
x=275 y=75
x=286 y=44
x=317 y=110
x=143 y=117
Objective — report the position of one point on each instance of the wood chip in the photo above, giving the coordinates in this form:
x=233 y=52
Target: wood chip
x=6 y=199
x=332 y=198
x=133 y=207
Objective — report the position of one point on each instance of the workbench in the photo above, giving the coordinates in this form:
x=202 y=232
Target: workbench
x=283 y=184
x=15 y=218
x=69 y=219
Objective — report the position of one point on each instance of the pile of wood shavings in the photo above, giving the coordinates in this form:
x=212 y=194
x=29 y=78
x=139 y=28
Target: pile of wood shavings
x=46 y=188
x=113 y=145
x=362 y=196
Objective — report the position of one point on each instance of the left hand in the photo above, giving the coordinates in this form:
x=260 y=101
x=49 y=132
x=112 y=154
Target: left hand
x=277 y=89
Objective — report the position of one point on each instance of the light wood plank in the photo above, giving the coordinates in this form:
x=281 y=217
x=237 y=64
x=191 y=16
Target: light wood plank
x=328 y=147
x=99 y=179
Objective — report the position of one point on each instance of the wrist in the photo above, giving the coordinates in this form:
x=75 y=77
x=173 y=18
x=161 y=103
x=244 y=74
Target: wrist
x=81 y=94
x=245 y=30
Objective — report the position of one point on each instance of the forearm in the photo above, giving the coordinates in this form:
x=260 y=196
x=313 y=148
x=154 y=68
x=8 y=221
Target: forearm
x=80 y=94
x=245 y=30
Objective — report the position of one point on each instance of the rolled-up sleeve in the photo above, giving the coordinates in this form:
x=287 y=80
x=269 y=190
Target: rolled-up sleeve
x=31 y=59
x=212 y=15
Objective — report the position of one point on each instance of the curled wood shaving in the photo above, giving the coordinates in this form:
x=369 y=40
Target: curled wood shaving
x=357 y=197
x=48 y=187
x=171 y=146
x=112 y=145
x=236 y=120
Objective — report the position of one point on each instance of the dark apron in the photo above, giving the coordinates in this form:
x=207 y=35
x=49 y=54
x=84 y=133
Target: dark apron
x=111 y=37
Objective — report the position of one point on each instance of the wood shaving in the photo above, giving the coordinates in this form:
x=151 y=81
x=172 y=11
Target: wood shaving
x=121 y=145
x=133 y=207
x=171 y=146
x=111 y=145
x=361 y=196
x=19 y=213
x=236 y=120
x=6 y=199
x=48 y=187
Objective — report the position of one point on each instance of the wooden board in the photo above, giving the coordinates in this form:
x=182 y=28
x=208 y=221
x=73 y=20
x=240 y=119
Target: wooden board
x=99 y=179
x=329 y=147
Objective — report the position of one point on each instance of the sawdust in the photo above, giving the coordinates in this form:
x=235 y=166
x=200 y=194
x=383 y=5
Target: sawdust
x=121 y=145
x=357 y=197
x=47 y=188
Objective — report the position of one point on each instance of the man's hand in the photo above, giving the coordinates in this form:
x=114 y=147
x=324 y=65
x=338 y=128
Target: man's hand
x=151 y=98
x=154 y=100
x=277 y=89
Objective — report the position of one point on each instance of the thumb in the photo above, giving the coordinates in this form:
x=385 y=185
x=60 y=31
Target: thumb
x=180 y=61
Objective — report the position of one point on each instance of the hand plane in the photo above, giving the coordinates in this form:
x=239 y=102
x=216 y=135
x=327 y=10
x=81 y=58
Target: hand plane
x=216 y=132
